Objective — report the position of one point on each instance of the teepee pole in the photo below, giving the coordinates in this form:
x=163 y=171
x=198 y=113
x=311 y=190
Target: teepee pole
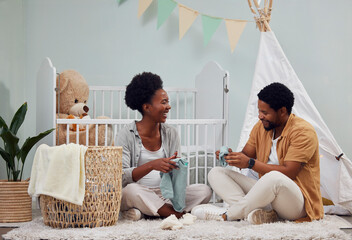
x=254 y=13
x=263 y=15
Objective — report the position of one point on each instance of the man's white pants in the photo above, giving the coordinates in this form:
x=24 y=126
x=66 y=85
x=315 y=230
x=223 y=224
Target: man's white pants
x=245 y=194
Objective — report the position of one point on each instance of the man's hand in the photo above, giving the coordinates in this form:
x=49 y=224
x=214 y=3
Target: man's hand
x=237 y=159
x=218 y=152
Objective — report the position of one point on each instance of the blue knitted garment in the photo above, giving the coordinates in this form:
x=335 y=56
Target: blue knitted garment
x=223 y=152
x=173 y=184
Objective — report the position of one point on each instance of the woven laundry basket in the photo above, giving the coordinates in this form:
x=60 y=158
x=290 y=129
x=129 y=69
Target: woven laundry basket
x=102 y=200
x=15 y=202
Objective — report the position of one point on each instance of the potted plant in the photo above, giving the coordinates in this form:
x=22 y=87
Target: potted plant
x=15 y=203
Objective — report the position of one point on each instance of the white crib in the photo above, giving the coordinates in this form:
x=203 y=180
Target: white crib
x=199 y=114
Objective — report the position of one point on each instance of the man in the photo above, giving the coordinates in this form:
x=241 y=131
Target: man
x=284 y=150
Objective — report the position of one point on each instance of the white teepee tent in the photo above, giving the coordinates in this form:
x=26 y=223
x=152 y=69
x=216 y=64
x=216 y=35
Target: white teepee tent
x=273 y=66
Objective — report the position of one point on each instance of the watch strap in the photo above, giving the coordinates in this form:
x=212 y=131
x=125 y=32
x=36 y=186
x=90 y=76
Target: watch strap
x=251 y=163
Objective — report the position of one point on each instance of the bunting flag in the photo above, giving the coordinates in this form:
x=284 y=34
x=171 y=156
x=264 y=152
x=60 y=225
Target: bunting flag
x=165 y=8
x=210 y=24
x=143 y=5
x=186 y=18
x=234 y=31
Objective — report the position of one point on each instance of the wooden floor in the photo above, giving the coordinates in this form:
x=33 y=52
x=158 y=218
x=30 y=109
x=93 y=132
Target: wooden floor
x=4 y=229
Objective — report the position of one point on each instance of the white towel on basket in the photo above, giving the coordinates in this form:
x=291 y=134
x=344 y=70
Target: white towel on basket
x=59 y=172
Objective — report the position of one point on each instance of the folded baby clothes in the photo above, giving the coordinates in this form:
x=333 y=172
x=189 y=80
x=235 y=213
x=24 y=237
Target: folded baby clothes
x=171 y=223
x=223 y=152
x=173 y=184
x=59 y=172
x=188 y=219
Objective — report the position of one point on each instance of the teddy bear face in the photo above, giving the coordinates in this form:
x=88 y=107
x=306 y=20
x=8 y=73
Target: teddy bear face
x=73 y=93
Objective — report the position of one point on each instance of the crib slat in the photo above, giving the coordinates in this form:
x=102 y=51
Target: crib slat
x=87 y=134
x=115 y=132
x=197 y=152
x=106 y=135
x=77 y=134
x=214 y=158
x=96 y=134
x=68 y=134
x=102 y=103
x=188 y=153
x=185 y=103
x=111 y=103
x=120 y=105
x=194 y=105
x=177 y=105
x=94 y=103
x=206 y=156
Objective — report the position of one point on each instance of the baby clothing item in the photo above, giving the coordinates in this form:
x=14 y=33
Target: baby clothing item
x=223 y=152
x=59 y=172
x=173 y=184
x=188 y=219
x=172 y=223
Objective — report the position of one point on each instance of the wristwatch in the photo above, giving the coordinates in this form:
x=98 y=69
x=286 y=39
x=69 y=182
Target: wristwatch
x=251 y=163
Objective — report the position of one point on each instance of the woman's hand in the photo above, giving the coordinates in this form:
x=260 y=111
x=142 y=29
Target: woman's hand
x=164 y=165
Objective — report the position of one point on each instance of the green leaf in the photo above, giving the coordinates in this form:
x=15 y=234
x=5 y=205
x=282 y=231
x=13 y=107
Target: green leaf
x=18 y=118
x=11 y=142
x=15 y=175
x=30 y=142
x=10 y=160
x=5 y=155
x=3 y=123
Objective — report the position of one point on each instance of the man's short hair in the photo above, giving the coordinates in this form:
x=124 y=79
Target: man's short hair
x=277 y=95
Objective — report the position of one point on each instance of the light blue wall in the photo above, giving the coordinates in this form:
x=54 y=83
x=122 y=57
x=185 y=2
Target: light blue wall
x=12 y=63
x=108 y=44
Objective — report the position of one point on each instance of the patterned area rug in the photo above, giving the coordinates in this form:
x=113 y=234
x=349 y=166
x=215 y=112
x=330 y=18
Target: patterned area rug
x=328 y=228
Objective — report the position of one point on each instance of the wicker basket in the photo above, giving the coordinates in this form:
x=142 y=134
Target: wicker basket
x=15 y=203
x=103 y=186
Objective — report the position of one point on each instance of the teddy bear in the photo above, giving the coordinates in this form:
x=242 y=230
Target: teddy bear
x=71 y=99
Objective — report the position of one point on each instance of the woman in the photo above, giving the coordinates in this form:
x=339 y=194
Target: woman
x=149 y=146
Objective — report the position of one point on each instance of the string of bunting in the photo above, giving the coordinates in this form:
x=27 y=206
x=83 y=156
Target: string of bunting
x=187 y=16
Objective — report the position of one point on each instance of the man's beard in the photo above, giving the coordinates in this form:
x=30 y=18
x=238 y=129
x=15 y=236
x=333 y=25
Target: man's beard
x=270 y=127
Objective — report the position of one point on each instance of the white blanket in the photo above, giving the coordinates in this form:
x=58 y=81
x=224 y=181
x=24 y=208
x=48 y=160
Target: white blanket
x=59 y=172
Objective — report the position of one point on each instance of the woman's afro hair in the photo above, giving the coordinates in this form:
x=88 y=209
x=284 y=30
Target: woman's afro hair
x=277 y=95
x=141 y=90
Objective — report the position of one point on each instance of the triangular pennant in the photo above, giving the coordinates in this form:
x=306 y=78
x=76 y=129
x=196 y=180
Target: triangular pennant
x=186 y=18
x=143 y=5
x=210 y=24
x=165 y=8
x=234 y=31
